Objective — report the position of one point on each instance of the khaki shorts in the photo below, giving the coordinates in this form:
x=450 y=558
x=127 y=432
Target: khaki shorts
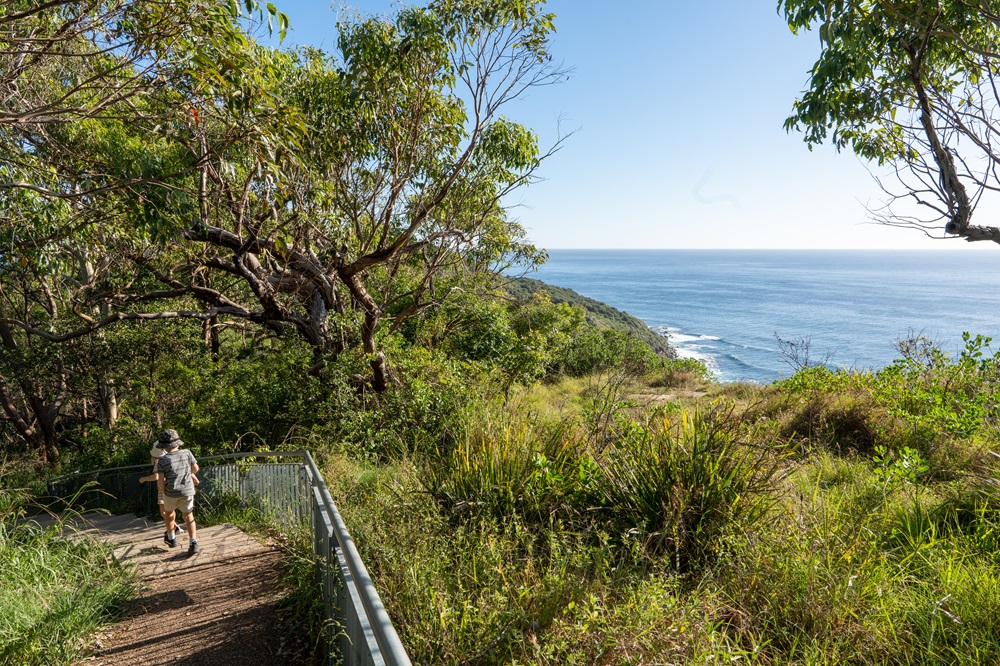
x=171 y=504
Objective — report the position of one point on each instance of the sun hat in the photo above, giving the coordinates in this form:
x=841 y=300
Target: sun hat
x=168 y=439
x=155 y=452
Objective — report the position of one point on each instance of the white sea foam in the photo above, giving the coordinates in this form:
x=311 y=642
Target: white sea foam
x=687 y=346
x=675 y=335
x=695 y=353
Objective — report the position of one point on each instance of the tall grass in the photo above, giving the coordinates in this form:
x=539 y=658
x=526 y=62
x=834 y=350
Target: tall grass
x=684 y=488
x=463 y=591
x=53 y=593
x=857 y=571
x=510 y=465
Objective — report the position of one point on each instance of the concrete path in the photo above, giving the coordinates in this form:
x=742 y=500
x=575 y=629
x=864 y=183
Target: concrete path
x=215 y=608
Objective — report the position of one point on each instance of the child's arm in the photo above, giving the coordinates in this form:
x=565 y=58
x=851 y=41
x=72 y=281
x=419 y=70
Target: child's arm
x=151 y=477
x=194 y=480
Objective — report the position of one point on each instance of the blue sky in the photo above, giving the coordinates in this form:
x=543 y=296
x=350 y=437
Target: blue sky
x=677 y=109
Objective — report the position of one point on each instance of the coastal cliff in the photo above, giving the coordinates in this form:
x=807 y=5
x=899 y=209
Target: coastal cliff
x=599 y=315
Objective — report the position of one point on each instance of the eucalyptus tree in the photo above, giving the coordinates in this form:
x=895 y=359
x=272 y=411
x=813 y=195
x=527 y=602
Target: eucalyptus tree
x=909 y=84
x=65 y=61
x=84 y=84
x=335 y=195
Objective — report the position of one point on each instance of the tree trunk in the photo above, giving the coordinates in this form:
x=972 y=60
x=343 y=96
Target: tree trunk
x=108 y=394
x=380 y=370
x=210 y=328
x=45 y=438
x=32 y=418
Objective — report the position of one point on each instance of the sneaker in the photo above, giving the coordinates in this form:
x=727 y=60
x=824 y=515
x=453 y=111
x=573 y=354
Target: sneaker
x=193 y=548
x=169 y=539
x=177 y=529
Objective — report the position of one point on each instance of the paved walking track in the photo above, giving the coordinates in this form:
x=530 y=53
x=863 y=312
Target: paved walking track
x=215 y=608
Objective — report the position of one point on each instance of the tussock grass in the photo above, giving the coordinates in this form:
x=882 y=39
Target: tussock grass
x=456 y=592
x=514 y=467
x=683 y=488
x=53 y=593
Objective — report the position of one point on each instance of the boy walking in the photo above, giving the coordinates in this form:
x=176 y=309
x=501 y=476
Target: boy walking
x=175 y=470
x=155 y=454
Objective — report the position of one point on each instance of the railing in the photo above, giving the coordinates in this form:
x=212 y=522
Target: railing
x=294 y=491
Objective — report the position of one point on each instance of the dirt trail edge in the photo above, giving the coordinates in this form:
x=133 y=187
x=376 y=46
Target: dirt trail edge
x=215 y=608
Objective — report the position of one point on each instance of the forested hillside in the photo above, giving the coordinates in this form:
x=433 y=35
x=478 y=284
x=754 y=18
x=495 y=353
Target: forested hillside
x=162 y=166
x=599 y=315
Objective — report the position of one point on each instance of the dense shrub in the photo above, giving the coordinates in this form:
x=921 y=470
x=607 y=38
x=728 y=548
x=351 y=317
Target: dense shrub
x=425 y=410
x=591 y=350
x=248 y=399
x=679 y=373
x=682 y=489
x=926 y=400
x=927 y=387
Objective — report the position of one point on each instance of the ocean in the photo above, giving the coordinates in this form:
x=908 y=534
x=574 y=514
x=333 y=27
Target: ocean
x=726 y=307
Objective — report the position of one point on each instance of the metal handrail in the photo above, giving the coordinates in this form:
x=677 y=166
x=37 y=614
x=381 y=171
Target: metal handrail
x=388 y=649
x=201 y=459
x=391 y=647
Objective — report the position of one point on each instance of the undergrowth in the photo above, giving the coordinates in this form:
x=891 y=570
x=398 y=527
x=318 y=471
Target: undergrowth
x=53 y=592
x=835 y=518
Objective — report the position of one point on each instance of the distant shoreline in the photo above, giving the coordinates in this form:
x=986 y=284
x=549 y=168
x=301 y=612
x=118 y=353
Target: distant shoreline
x=853 y=306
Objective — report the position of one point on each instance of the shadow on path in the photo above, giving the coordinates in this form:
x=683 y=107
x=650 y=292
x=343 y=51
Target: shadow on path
x=213 y=609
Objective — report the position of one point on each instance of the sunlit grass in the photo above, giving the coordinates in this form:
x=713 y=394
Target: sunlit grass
x=881 y=544
x=54 y=593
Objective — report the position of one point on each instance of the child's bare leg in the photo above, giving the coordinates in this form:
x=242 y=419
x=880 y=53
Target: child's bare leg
x=191 y=527
x=170 y=520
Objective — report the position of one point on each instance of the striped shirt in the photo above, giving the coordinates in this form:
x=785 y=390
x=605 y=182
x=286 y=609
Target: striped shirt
x=176 y=470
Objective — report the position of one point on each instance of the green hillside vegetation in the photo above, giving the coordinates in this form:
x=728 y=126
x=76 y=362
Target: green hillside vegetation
x=599 y=315
x=833 y=518
x=631 y=514
x=268 y=249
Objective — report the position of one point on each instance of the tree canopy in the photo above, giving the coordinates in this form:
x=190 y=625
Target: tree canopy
x=169 y=167
x=909 y=84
